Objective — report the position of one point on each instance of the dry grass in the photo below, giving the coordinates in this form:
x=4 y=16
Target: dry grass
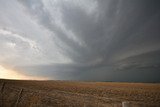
x=80 y=94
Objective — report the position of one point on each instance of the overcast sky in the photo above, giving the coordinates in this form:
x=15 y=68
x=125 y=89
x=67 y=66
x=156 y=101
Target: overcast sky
x=93 y=40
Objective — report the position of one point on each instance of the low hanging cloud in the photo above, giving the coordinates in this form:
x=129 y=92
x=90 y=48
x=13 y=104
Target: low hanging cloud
x=86 y=40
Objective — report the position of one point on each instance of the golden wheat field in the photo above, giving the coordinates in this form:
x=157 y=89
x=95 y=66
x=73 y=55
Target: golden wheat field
x=23 y=93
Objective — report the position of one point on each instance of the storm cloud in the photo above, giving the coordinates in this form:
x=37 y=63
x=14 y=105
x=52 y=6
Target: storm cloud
x=94 y=40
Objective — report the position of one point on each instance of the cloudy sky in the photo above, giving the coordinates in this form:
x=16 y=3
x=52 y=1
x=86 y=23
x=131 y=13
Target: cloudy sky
x=93 y=40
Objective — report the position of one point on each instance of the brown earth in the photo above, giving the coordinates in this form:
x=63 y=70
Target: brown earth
x=77 y=94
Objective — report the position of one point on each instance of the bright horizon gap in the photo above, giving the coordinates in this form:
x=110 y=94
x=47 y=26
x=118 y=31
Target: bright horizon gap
x=11 y=74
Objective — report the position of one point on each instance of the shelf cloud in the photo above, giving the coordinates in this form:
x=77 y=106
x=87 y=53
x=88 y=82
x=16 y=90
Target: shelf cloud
x=93 y=40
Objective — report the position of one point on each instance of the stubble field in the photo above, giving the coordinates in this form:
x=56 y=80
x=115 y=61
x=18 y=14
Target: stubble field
x=77 y=94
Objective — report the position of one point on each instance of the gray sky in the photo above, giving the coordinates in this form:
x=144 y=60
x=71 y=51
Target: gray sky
x=95 y=40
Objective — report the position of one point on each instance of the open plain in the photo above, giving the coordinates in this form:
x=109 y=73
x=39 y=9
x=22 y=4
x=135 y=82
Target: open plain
x=23 y=93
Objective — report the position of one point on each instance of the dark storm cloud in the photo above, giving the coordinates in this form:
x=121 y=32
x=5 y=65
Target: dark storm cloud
x=106 y=32
x=103 y=39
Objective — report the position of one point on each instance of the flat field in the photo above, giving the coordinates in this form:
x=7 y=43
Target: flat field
x=23 y=93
